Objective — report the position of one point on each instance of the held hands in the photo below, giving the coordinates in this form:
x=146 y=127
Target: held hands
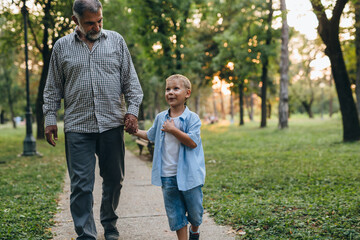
x=131 y=124
x=168 y=126
x=51 y=131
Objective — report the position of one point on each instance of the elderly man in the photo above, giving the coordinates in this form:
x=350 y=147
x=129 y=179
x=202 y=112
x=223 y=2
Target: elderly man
x=92 y=70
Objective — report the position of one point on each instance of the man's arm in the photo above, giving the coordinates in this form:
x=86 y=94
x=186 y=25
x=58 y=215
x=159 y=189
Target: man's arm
x=53 y=93
x=131 y=89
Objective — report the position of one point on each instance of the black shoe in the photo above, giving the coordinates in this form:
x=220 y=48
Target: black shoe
x=194 y=236
x=111 y=235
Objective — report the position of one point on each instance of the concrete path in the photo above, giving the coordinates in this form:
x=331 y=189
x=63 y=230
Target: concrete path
x=141 y=209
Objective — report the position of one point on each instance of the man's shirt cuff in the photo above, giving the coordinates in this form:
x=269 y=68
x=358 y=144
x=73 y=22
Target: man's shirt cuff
x=50 y=120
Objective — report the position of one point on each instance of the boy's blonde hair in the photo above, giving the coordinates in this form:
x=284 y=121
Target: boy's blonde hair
x=185 y=80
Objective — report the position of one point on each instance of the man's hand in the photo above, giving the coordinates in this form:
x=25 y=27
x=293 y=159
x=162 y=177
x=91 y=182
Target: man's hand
x=51 y=131
x=131 y=123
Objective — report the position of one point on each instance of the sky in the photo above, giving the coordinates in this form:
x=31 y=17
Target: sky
x=302 y=18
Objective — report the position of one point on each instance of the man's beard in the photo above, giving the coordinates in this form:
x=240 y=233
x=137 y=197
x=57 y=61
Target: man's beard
x=90 y=35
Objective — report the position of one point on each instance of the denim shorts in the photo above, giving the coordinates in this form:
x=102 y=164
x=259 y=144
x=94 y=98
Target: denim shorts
x=182 y=207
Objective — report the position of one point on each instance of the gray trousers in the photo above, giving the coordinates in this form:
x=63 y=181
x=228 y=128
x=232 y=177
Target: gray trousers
x=81 y=149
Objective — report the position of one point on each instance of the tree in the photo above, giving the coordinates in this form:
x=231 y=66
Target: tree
x=357 y=46
x=243 y=42
x=328 y=30
x=161 y=26
x=48 y=20
x=284 y=69
x=9 y=89
x=11 y=92
x=265 y=65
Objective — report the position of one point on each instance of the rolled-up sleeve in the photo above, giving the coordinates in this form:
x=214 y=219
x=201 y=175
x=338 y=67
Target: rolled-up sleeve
x=151 y=133
x=131 y=87
x=53 y=92
x=194 y=129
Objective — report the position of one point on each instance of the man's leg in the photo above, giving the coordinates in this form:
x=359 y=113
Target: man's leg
x=80 y=155
x=111 y=151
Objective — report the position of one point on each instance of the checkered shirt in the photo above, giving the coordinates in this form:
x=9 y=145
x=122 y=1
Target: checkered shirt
x=94 y=84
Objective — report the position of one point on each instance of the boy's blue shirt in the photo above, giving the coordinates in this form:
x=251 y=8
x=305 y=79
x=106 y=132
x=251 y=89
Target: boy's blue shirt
x=191 y=164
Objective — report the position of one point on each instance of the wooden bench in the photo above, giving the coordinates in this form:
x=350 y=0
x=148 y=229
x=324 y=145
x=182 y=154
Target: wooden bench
x=145 y=143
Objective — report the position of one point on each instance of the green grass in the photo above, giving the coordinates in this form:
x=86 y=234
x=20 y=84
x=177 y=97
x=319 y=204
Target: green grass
x=299 y=183
x=29 y=186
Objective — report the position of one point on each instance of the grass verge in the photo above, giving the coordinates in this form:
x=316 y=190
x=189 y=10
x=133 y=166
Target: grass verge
x=298 y=183
x=29 y=186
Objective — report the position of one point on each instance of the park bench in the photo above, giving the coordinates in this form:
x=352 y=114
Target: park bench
x=145 y=143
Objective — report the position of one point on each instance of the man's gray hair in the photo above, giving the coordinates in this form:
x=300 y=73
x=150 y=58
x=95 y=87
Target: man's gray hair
x=80 y=6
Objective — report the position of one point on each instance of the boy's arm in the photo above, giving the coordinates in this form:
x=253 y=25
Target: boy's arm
x=169 y=126
x=141 y=134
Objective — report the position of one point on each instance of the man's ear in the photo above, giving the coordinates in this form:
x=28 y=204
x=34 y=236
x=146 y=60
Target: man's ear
x=75 y=19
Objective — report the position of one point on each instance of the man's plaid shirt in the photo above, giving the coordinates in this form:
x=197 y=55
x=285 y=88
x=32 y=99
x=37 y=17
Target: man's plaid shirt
x=94 y=84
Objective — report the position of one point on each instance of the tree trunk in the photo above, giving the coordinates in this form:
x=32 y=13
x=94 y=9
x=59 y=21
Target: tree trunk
x=351 y=128
x=46 y=54
x=284 y=69
x=241 y=103
x=269 y=108
x=214 y=105
x=265 y=63
x=2 y=117
x=330 y=97
x=231 y=108
x=141 y=116
x=251 y=114
x=40 y=97
x=357 y=46
x=307 y=107
x=223 y=114
x=329 y=32
x=9 y=96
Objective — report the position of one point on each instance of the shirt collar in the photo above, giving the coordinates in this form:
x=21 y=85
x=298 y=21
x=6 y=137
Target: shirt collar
x=183 y=116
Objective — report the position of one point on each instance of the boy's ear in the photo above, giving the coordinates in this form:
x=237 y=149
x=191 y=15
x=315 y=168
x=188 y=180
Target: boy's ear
x=188 y=93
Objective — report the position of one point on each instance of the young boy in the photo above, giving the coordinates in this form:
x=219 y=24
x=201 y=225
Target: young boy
x=178 y=163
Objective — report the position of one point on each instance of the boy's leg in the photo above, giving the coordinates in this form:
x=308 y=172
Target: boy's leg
x=182 y=233
x=111 y=151
x=80 y=157
x=174 y=204
x=193 y=200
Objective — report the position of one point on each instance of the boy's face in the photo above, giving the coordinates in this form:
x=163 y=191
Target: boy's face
x=176 y=93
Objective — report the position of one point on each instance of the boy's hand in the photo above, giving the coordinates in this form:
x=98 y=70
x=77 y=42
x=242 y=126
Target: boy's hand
x=168 y=126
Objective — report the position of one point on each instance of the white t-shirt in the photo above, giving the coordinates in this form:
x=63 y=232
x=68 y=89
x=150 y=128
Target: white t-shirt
x=170 y=153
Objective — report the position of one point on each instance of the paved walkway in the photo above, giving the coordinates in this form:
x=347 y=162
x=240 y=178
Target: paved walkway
x=141 y=210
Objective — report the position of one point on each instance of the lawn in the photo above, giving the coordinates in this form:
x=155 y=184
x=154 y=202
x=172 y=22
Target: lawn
x=299 y=183
x=29 y=186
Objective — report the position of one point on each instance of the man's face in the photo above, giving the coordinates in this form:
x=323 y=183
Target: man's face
x=90 y=24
